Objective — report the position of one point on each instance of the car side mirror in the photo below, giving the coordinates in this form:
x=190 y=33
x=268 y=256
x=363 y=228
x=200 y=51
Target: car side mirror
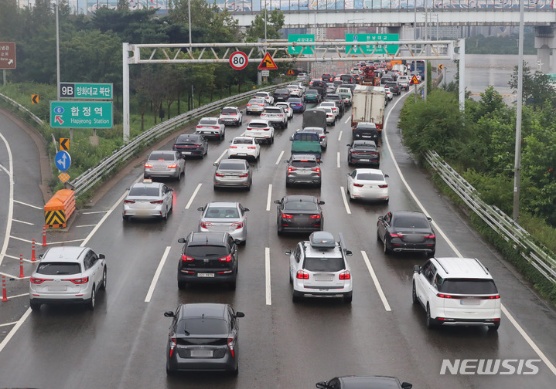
x=40 y=256
x=181 y=240
x=380 y=218
x=348 y=145
x=237 y=241
x=348 y=252
x=169 y=314
x=417 y=269
x=240 y=314
x=406 y=385
x=215 y=164
x=321 y=202
x=326 y=131
x=245 y=209
x=386 y=176
x=101 y=256
x=288 y=252
x=322 y=385
x=201 y=209
x=277 y=202
x=429 y=218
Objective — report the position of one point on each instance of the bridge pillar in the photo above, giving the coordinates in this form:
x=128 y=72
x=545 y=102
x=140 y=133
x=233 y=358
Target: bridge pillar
x=545 y=43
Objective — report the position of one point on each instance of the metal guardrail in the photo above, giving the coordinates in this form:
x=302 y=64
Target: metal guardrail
x=540 y=258
x=22 y=108
x=92 y=176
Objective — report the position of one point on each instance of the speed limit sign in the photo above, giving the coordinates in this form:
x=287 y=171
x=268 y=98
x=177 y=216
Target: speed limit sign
x=238 y=60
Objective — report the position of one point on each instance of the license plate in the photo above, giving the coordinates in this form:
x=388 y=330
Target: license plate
x=325 y=278
x=186 y=152
x=241 y=154
x=470 y=301
x=205 y=275
x=57 y=288
x=364 y=160
x=201 y=353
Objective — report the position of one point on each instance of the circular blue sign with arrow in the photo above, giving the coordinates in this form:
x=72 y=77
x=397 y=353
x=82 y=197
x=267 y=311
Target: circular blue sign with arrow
x=62 y=160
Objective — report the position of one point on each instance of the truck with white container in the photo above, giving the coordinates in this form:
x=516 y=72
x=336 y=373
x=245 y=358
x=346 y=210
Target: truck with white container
x=368 y=105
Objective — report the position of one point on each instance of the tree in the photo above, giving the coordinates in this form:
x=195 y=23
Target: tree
x=537 y=87
x=274 y=24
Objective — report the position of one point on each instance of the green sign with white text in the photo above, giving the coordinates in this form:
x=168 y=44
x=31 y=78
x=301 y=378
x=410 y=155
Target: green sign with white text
x=301 y=49
x=81 y=114
x=359 y=46
x=87 y=91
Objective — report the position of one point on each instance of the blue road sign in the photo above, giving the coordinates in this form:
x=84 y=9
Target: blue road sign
x=62 y=160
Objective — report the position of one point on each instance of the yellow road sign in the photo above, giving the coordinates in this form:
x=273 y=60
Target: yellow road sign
x=440 y=67
x=290 y=72
x=64 y=177
x=35 y=99
x=64 y=144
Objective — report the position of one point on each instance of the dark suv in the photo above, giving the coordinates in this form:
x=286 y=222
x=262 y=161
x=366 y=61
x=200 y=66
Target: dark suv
x=208 y=257
x=281 y=95
x=191 y=145
x=326 y=77
x=394 y=88
x=366 y=131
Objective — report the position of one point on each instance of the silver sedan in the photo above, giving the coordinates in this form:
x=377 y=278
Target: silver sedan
x=225 y=217
x=148 y=200
x=231 y=173
x=164 y=164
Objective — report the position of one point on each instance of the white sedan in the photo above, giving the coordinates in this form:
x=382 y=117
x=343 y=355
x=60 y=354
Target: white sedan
x=367 y=184
x=244 y=147
x=287 y=109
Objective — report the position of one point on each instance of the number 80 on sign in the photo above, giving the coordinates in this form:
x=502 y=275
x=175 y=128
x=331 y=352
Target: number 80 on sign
x=238 y=60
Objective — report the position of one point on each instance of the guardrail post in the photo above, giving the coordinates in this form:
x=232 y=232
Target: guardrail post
x=21 y=274
x=4 y=293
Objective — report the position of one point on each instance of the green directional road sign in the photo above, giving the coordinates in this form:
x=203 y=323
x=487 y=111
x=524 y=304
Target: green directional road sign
x=301 y=49
x=81 y=114
x=77 y=90
x=361 y=48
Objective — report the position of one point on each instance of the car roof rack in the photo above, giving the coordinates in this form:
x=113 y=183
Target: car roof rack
x=322 y=240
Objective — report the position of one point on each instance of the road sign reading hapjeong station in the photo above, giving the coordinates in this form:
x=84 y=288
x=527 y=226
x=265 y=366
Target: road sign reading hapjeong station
x=81 y=114
x=361 y=48
x=77 y=90
x=7 y=55
x=301 y=49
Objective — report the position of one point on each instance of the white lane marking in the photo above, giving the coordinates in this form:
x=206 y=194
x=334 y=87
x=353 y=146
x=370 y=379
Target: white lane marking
x=514 y=322
x=267 y=275
x=21 y=239
x=3 y=168
x=85 y=225
x=348 y=120
x=16 y=296
x=340 y=136
x=193 y=196
x=10 y=174
x=67 y=241
x=375 y=281
x=344 y=198
x=12 y=323
x=101 y=221
x=28 y=205
x=269 y=197
x=221 y=156
x=279 y=157
x=338 y=159
x=157 y=274
x=93 y=212
x=15 y=328
x=21 y=221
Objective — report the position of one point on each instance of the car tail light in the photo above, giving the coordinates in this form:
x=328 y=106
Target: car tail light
x=173 y=344
x=237 y=225
x=396 y=235
x=287 y=216
x=251 y=147
x=233 y=147
x=38 y=281
x=302 y=275
x=444 y=296
x=148 y=166
x=206 y=224
x=291 y=169
x=495 y=297
x=266 y=129
x=316 y=169
x=129 y=201
x=248 y=105
x=186 y=258
x=227 y=258
x=156 y=202
x=199 y=126
x=231 y=347
x=383 y=186
x=78 y=281
x=173 y=166
x=244 y=175
x=345 y=275
x=215 y=127
x=358 y=185
x=430 y=236
x=314 y=217
x=322 y=136
x=219 y=175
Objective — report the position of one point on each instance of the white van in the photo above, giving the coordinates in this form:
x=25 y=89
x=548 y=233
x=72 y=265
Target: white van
x=345 y=94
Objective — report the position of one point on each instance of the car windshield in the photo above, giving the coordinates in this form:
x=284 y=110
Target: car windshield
x=467 y=286
x=222 y=212
x=229 y=111
x=206 y=251
x=324 y=264
x=161 y=157
x=300 y=206
x=145 y=191
x=370 y=177
x=208 y=122
x=258 y=124
x=411 y=222
x=203 y=326
x=232 y=165
x=58 y=268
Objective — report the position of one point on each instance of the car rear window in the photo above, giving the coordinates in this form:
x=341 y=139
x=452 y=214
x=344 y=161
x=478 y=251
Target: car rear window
x=272 y=110
x=312 y=92
x=300 y=206
x=303 y=164
x=468 y=286
x=203 y=326
x=363 y=146
x=243 y=141
x=294 y=100
x=281 y=91
x=206 y=251
x=208 y=122
x=258 y=125
x=144 y=191
x=58 y=268
x=229 y=111
x=231 y=166
x=411 y=222
x=324 y=264
x=187 y=139
x=256 y=101
x=370 y=177
x=161 y=156
x=222 y=212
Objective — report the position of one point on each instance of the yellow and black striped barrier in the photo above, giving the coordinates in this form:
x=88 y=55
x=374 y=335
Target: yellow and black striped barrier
x=59 y=208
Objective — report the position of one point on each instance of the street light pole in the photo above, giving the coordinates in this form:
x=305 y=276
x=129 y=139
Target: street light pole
x=519 y=108
x=57 y=54
x=189 y=20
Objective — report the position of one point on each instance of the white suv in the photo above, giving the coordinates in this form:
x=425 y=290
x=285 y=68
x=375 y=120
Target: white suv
x=261 y=130
x=457 y=291
x=69 y=274
x=318 y=268
x=276 y=116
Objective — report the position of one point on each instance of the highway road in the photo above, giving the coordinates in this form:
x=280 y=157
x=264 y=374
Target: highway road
x=122 y=343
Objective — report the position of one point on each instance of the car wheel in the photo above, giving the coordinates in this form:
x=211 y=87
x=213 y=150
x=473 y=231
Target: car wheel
x=91 y=303
x=272 y=139
x=235 y=372
x=350 y=197
x=296 y=298
x=494 y=327
x=348 y=297
x=182 y=285
x=223 y=135
x=414 y=295
x=350 y=163
x=233 y=285
x=35 y=306
x=169 y=371
x=385 y=246
x=104 y=278
x=430 y=322
x=430 y=254
x=279 y=230
x=179 y=176
x=290 y=277
x=386 y=201
x=125 y=217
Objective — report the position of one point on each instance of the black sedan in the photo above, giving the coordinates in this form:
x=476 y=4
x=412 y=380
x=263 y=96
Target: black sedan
x=357 y=382
x=281 y=95
x=299 y=213
x=191 y=145
x=203 y=337
x=406 y=231
x=363 y=152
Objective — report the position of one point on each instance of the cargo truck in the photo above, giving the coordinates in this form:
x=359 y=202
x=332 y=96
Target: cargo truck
x=368 y=106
